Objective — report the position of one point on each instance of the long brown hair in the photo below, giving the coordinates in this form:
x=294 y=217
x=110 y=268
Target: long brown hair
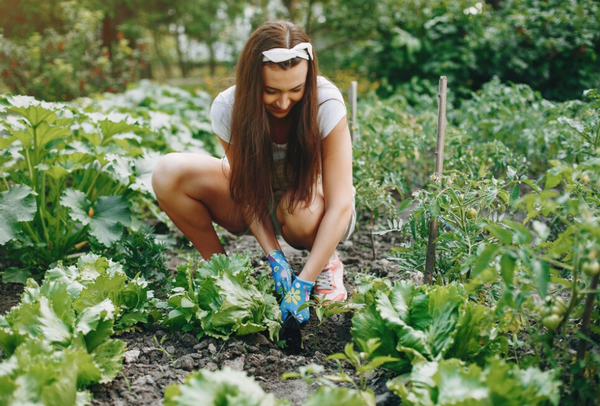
x=252 y=153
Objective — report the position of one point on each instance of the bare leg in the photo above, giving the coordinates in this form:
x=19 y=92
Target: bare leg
x=299 y=228
x=193 y=190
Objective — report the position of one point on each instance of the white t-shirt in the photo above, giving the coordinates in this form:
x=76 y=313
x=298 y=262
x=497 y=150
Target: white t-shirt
x=331 y=110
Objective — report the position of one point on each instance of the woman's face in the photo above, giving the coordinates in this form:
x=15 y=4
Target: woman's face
x=283 y=88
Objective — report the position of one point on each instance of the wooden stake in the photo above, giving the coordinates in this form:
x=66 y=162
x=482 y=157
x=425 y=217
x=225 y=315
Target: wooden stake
x=353 y=100
x=439 y=168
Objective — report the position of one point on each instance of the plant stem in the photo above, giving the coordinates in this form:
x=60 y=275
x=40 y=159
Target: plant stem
x=557 y=263
x=5 y=181
x=372 y=237
x=91 y=188
x=585 y=318
x=31 y=176
x=57 y=209
x=42 y=209
x=31 y=233
x=597 y=134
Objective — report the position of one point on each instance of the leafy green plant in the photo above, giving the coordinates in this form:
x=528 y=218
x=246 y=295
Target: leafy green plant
x=363 y=363
x=139 y=252
x=221 y=298
x=324 y=309
x=328 y=393
x=95 y=278
x=425 y=323
x=179 y=120
x=463 y=208
x=224 y=387
x=66 y=169
x=451 y=382
x=57 y=340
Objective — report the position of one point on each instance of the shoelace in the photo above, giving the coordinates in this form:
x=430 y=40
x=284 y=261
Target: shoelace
x=324 y=281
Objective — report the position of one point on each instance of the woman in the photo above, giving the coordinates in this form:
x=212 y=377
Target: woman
x=287 y=170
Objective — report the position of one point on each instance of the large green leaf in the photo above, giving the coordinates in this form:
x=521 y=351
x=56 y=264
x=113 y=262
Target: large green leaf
x=106 y=218
x=25 y=137
x=46 y=133
x=78 y=203
x=34 y=114
x=225 y=387
x=17 y=204
x=111 y=128
x=484 y=257
x=111 y=214
x=367 y=324
x=458 y=385
x=443 y=307
x=109 y=358
x=475 y=324
x=5 y=142
x=40 y=320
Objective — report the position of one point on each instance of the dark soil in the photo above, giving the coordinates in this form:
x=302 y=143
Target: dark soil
x=156 y=358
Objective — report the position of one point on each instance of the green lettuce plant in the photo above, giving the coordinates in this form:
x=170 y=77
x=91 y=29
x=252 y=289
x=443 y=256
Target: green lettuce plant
x=57 y=340
x=54 y=350
x=222 y=298
x=94 y=278
x=452 y=382
x=224 y=387
x=426 y=323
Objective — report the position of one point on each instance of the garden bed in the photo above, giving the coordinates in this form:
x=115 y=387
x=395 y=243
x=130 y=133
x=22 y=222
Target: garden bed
x=156 y=358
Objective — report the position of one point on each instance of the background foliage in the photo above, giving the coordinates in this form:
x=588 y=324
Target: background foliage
x=59 y=50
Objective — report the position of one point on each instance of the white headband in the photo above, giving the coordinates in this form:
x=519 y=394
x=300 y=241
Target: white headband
x=302 y=50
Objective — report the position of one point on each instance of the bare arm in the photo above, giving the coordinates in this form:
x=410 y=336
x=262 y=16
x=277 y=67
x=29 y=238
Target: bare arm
x=263 y=230
x=338 y=195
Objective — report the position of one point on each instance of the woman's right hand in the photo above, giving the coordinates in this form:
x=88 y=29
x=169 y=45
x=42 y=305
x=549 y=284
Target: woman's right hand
x=281 y=271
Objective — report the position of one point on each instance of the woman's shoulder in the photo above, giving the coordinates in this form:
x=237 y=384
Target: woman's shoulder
x=226 y=96
x=332 y=107
x=327 y=91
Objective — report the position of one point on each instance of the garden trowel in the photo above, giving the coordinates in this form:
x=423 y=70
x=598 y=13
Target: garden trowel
x=291 y=333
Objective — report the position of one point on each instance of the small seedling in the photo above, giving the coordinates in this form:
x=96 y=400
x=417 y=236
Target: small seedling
x=324 y=309
x=362 y=363
x=308 y=374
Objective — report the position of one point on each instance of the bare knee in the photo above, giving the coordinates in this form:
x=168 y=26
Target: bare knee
x=299 y=225
x=165 y=174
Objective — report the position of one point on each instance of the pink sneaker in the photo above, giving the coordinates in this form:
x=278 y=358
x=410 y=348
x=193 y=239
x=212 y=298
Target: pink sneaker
x=331 y=281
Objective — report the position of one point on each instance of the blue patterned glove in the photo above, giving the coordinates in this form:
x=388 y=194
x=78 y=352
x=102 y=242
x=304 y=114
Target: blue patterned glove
x=281 y=271
x=298 y=294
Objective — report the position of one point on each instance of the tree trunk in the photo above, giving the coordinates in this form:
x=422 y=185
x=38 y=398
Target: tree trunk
x=109 y=33
x=159 y=55
x=308 y=21
x=212 y=57
x=180 y=56
x=290 y=5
